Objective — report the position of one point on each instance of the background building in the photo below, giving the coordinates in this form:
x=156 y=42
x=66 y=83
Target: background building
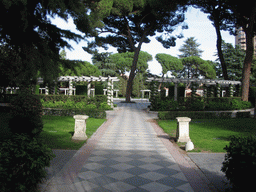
x=241 y=40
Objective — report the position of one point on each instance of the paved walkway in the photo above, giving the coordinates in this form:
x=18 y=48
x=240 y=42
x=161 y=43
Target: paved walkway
x=127 y=153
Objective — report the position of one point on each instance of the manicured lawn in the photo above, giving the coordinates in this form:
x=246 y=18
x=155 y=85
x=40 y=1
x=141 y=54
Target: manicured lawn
x=58 y=131
x=212 y=135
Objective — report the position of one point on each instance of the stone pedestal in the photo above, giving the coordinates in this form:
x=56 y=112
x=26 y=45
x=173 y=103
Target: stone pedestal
x=80 y=127
x=183 y=129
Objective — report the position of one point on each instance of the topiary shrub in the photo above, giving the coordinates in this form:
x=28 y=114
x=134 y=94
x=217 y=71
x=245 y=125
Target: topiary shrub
x=239 y=165
x=26 y=113
x=22 y=163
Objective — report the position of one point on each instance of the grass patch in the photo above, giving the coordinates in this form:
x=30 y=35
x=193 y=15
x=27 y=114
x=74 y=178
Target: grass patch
x=58 y=131
x=212 y=135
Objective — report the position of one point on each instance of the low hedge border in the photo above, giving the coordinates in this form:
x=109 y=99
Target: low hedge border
x=168 y=115
x=95 y=113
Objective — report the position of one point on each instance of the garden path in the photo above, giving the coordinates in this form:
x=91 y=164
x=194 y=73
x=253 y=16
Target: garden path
x=128 y=153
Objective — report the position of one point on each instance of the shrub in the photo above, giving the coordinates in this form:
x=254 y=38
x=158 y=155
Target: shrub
x=26 y=112
x=90 y=106
x=217 y=106
x=194 y=104
x=22 y=163
x=105 y=106
x=240 y=162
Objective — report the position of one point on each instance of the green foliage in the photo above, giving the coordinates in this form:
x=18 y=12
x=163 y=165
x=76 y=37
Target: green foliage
x=198 y=104
x=64 y=105
x=124 y=61
x=78 y=68
x=99 y=89
x=169 y=63
x=167 y=115
x=105 y=106
x=90 y=106
x=103 y=62
x=32 y=38
x=22 y=163
x=81 y=90
x=234 y=59
x=190 y=48
x=195 y=104
x=195 y=66
x=240 y=162
x=26 y=112
x=154 y=98
x=95 y=113
x=138 y=85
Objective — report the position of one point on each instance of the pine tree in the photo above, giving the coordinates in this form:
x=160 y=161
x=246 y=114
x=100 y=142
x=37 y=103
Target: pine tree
x=190 y=48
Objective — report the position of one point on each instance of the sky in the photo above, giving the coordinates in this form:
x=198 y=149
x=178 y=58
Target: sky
x=199 y=26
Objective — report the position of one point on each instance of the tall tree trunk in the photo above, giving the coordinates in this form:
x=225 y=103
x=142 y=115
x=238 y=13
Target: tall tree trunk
x=220 y=54
x=247 y=66
x=132 y=74
x=249 y=55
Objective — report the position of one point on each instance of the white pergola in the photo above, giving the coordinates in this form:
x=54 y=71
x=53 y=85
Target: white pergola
x=206 y=82
x=71 y=79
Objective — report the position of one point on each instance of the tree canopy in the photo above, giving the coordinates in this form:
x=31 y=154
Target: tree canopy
x=124 y=60
x=195 y=67
x=169 y=63
x=26 y=31
x=128 y=24
x=103 y=62
x=78 y=68
x=190 y=48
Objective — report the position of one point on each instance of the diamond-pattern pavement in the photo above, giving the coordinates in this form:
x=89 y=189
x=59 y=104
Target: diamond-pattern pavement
x=130 y=157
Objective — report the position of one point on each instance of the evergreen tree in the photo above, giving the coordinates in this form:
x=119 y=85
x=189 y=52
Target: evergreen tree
x=169 y=63
x=103 y=62
x=190 y=48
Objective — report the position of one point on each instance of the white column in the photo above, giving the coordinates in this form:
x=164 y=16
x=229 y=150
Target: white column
x=142 y=94
x=89 y=89
x=46 y=90
x=109 y=92
x=112 y=93
x=70 y=87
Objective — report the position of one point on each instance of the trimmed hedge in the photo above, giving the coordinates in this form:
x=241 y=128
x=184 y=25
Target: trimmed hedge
x=95 y=113
x=239 y=165
x=167 y=115
x=199 y=104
